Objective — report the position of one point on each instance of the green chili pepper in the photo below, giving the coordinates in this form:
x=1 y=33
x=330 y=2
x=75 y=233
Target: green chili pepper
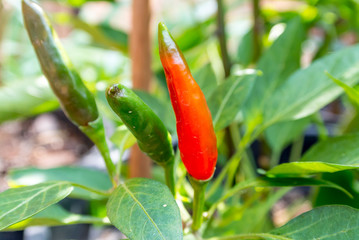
x=152 y=136
x=76 y=100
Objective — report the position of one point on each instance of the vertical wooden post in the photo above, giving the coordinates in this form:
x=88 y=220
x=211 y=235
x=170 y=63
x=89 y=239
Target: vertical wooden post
x=4 y=16
x=140 y=51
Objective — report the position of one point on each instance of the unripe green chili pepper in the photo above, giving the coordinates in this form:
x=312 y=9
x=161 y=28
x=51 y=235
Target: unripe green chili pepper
x=151 y=134
x=196 y=137
x=76 y=100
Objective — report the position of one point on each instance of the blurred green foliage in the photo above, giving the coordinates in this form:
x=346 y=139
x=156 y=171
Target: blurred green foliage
x=292 y=35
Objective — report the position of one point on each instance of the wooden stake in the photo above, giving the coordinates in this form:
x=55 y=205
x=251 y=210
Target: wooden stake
x=140 y=51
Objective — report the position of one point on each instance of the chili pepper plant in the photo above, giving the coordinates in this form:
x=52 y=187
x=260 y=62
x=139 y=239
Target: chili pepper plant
x=210 y=187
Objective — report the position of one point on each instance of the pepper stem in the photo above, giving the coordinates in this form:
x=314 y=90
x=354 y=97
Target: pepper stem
x=96 y=132
x=199 y=187
x=169 y=175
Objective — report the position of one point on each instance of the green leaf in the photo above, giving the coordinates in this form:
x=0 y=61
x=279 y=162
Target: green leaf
x=328 y=222
x=252 y=216
x=332 y=155
x=346 y=179
x=24 y=99
x=245 y=49
x=123 y=138
x=305 y=168
x=145 y=209
x=206 y=79
x=277 y=63
x=352 y=93
x=163 y=110
x=194 y=35
x=281 y=134
x=55 y=215
x=17 y=204
x=115 y=34
x=226 y=101
x=277 y=182
x=90 y=178
x=301 y=96
x=101 y=34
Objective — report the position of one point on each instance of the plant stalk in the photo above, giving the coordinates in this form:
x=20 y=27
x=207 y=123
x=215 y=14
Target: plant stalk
x=296 y=151
x=221 y=34
x=96 y=132
x=170 y=176
x=105 y=153
x=199 y=188
x=257 y=41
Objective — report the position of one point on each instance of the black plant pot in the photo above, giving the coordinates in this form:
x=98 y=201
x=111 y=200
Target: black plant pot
x=18 y=235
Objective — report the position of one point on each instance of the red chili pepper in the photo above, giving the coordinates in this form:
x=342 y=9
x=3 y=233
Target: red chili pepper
x=196 y=137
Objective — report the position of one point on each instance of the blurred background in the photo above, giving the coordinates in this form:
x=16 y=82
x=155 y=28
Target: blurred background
x=116 y=41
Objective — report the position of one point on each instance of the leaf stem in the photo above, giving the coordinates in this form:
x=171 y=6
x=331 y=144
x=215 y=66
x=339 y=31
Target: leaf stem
x=321 y=128
x=103 y=193
x=170 y=176
x=199 y=188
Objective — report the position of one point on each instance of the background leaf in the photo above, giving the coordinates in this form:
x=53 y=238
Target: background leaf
x=91 y=178
x=163 y=110
x=56 y=216
x=277 y=63
x=145 y=209
x=245 y=49
x=281 y=134
x=244 y=218
x=329 y=222
x=123 y=138
x=331 y=155
x=352 y=93
x=226 y=101
x=26 y=98
x=206 y=79
x=17 y=204
x=278 y=182
x=308 y=90
x=346 y=179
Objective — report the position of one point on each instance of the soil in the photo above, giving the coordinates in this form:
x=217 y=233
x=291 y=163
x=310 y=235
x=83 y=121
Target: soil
x=45 y=141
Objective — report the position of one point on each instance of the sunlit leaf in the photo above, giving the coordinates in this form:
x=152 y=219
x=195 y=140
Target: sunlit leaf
x=145 y=209
x=17 y=204
x=87 y=177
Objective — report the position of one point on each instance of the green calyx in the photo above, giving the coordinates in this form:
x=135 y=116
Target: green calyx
x=76 y=100
x=152 y=136
x=199 y=188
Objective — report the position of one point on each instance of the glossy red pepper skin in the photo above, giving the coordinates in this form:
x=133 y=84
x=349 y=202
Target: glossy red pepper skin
x=196 y=137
